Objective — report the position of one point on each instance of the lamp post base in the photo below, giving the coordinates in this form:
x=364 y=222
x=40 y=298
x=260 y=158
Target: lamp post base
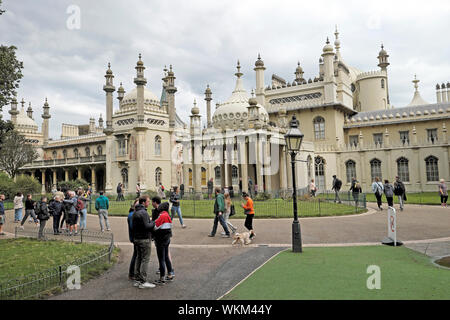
x=296 y=237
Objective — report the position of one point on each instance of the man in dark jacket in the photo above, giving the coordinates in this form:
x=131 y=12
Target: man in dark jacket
x=337 y=184
x=43 y=215
x=156 y=201
x=142 y=226
x=400 y=191
x=56 y=210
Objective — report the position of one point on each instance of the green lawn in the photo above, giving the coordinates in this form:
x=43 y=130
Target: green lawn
x=341 y=274
x=273 y=208
x=426 y=198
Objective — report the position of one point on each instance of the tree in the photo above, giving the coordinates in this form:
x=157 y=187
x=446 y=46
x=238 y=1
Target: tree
x=16 y=153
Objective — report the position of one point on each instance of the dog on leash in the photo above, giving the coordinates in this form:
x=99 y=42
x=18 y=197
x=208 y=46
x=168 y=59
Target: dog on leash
x=243 y=238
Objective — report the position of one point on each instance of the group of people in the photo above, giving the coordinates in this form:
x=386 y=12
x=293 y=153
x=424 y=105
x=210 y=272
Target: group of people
x=389 y=190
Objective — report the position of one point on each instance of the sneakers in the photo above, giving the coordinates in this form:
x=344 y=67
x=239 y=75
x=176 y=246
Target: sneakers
x=21 y=227
x=157 y=271
x=183 y=226
x=169 y=277
x=146 y=285
x=137 y=284
x=211 y=235
x=108 y=229
x=161 y=281
x=226 y=236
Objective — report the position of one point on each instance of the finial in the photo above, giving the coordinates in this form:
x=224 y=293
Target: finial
x=109 y=65
x=328 y=40
x=238 y=73
x=170 y=67
x=253 y=93
x=140 y=56
x=259 y=56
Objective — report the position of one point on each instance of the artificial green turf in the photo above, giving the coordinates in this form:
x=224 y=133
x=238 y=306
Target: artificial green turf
x=23 y=256
x=341 y=274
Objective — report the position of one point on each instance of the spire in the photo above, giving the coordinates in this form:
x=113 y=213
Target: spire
x=238 y=74
x=259 y=63
x=417 y=99
x=337 y=43
x=30 y=111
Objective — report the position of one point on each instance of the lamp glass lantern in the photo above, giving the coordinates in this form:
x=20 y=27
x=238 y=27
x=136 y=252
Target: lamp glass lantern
x=294 y=136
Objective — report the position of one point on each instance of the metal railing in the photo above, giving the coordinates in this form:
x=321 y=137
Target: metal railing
x=39 y=284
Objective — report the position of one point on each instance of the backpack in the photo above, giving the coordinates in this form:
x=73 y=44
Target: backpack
x=232 y=210
x=80 y=205
x=338 y=184
x=37 y=209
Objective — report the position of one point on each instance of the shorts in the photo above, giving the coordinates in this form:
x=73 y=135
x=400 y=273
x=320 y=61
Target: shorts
x=2 y=219
x=72 y=219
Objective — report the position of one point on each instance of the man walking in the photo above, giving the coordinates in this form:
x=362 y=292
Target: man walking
x=102 y=206
x=142 y=227
x=378 y=189
x=337 y=184
x=175 y=200
x=219 y=209
x=210 y=188
x=400 y=191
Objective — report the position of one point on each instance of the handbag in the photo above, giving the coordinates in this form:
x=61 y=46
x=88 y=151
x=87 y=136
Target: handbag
x=232 y=210
x=247 y=211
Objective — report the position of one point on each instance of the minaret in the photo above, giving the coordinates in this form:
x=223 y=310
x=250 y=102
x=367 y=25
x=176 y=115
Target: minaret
x=328 y=78
x=383 y=64
x=196 y=139
x=259 y=69
x=140 y=82
x=208 y=99
x=30 y=111
x=14 y=112
x=109 y=89
x=100 y=121
x=299 y=73
x=120 y=94
x=337 y=44
x=45 y=124
x=171 y=89
x=91 y=126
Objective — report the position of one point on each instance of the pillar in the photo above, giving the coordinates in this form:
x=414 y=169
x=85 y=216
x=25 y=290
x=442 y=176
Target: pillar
x=43 y=191
x=93 y=179
x=66 y=174
x=54 y=179
x=267 y=160
x=259 y=165
x=32 y=174
x=283 y=175
x=289 y=171
x=79 y=172
x=243 y=160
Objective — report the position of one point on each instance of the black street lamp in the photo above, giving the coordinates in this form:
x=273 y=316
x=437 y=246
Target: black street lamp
x=294 y=138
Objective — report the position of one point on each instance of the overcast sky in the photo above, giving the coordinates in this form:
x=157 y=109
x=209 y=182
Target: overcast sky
x=204 y=39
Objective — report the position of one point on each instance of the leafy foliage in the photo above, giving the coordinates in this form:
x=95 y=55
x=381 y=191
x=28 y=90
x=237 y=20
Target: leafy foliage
x=24 y=184
x=16 y=153
x=74 y=184
x=10 y=74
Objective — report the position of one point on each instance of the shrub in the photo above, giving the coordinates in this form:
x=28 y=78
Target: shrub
x=262 y=196
x=74 y=184
x=23 y=183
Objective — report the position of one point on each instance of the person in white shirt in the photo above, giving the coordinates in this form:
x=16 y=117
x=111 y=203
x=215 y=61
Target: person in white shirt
x=378 y=189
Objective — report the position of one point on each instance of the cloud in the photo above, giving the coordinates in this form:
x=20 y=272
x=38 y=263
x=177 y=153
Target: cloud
x=204 y=39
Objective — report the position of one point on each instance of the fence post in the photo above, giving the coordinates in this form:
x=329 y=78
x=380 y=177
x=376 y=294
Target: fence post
x=320 y=213
x=81 y=235
x=60 y=276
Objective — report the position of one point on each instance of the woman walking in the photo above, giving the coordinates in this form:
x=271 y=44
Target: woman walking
x=250 y=214
x=83 y=212
x=18 y=207
x=162 y=234
x=29 y=211
x=443 y=193
x=312 y=188
x=389 y=193
x=175 y=200
x=226 y=216
x=356 y=190
x=377 y=188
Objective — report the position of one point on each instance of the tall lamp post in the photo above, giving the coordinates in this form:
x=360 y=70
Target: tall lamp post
x=294 y=138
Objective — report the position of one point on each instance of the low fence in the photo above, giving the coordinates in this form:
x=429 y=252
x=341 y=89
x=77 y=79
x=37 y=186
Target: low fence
x=35 y=285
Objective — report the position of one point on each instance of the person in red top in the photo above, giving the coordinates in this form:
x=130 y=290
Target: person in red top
x=249 y=212
x=162 y=234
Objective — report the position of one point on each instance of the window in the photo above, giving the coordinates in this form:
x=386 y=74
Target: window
x=87 y=151
x=122 y=147
x=432 y=135
x=375 y=169
x=319 y=171
x=319 y=128
x=217 y=175
x=403 y=169
x=65 y=154
x=378 y=139
x=432 y=169
x=235 y=175
x=158 y=176
x=382 y=84
x=203 y=177
x=157 y=145
x=99 y=150
x=353 y=141
x=124 y=174
x=308 y=167
x=54 y=154
x=350 y=169
x=404 y=137
x=75 y=153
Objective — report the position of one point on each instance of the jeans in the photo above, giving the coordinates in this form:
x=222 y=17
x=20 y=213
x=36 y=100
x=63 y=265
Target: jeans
x=379 y=202
x=356 y=198
x=162 y=250
x=390 y=201
x=336 y=196
x=132 y=262
x=249 y=221
x=142 y=259
x=226 y=217
x=18 y=214
x=103 y=213
x=83 y=215
x=29 y=212
x=400 y=200
x=178 y=211
x=217 y=219
x=56 y=219
x=41 y=228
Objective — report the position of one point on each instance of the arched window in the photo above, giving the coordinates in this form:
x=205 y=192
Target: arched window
x=382 y=84
x=203 y=177
x=54 y=154
x=87 y=151
x=99 y=150
x=65 y=154
x=235 y=175
x=157 y=145
x=190 y=177
x=375 y=169
x=319 y=128
x=403 y=169
x=319 y=173
x=432 y=168
x=158 y=176
x=124 y=174
x=217 y=175
x=76 y=153
x=350 y=169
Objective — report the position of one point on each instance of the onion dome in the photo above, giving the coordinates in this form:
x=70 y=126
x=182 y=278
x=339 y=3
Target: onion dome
x=328 y=47
x=259 y=62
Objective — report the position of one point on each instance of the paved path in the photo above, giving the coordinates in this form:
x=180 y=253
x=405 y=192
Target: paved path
x=206 y=267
